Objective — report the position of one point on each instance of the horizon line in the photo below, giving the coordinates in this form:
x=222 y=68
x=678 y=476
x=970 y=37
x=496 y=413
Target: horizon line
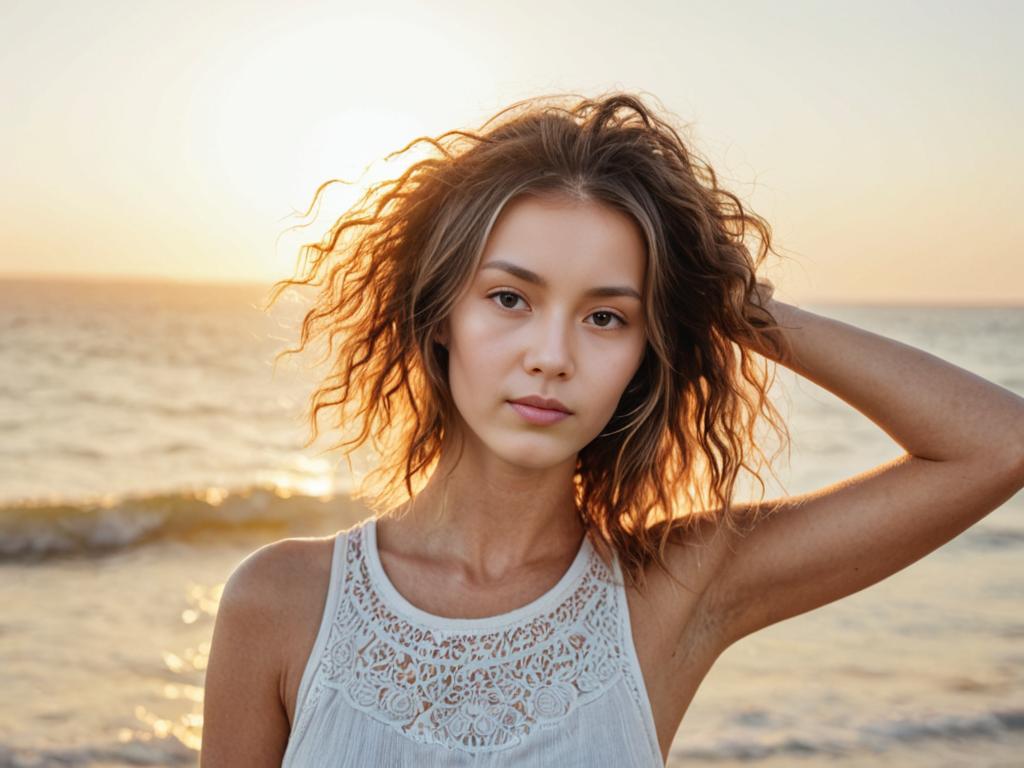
x=151 y=279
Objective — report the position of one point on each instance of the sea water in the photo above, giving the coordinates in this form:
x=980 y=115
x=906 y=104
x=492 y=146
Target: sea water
x=148 y=444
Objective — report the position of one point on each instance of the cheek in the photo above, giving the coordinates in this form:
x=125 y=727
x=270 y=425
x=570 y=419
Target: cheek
x=479 y=340
x=474 y=329
x=610 y=383
x=475 y=356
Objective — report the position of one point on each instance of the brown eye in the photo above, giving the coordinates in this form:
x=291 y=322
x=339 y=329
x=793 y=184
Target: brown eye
x=613 y=315
x=515 y=297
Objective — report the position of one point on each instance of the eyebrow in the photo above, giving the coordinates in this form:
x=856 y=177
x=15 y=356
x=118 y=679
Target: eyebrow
x=532 y=277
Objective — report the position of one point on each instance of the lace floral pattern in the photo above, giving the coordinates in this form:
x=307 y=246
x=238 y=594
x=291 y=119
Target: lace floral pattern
x=479 y=690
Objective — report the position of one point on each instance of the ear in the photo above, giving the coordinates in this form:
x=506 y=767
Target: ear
x=441 y=335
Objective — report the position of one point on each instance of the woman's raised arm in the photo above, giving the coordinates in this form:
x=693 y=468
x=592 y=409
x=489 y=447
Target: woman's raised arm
x=964 y=442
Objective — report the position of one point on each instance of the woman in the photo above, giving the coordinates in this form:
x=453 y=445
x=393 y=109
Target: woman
x=556 y=324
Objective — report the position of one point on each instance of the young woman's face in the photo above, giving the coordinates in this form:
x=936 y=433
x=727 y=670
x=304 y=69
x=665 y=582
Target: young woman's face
x=537 y=319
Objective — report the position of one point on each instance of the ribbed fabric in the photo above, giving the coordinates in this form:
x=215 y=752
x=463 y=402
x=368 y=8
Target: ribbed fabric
x=553 y=683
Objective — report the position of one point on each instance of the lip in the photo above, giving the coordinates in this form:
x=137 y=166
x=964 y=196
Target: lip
x=545 y=403
x=540 y=416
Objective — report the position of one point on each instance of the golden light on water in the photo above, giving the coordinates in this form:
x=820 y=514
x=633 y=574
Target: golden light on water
x=187 y=729
x=173 y=662
x=182 y=691
x=189 y=663
x=214 y=496
x=202 y=599
x=289 y=485
x=307 y=476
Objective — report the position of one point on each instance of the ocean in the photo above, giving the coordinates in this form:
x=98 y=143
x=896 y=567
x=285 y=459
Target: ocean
x=149 y=444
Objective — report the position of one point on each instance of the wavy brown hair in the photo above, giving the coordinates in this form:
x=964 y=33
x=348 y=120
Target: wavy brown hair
x=391 y=267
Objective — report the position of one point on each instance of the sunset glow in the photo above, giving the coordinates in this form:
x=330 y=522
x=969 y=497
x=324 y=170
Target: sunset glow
x=154 y=140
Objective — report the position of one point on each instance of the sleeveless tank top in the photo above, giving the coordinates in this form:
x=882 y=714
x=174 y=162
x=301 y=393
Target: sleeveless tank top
x=556 y=682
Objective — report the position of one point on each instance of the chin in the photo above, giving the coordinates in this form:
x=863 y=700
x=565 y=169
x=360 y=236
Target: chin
x=535 y=452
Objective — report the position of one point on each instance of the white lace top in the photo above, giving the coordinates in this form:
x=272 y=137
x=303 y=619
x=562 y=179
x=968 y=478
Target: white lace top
x=553 y=683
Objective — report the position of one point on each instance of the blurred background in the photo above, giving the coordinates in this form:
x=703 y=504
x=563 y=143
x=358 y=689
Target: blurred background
x=158 y=157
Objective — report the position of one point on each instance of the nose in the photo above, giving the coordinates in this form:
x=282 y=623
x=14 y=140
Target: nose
x=549 y=350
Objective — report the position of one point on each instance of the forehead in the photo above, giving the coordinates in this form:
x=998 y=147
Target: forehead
x=559 y=236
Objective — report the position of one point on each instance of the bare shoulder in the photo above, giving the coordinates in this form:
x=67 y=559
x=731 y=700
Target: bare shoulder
x=288 y=581
x=278 y=581
x=269 y=614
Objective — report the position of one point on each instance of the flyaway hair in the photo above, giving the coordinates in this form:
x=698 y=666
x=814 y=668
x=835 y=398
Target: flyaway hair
x=390 y=269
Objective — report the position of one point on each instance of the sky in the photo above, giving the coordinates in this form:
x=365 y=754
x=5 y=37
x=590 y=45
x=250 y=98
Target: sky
x=182 y=140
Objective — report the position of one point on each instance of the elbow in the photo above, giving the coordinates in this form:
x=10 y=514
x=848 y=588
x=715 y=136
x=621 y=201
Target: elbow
x=1015 y=459
x=1019 y=467
x=1008 y=450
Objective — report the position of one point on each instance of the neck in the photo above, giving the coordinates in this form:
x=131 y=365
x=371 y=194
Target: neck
x=491 y=520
